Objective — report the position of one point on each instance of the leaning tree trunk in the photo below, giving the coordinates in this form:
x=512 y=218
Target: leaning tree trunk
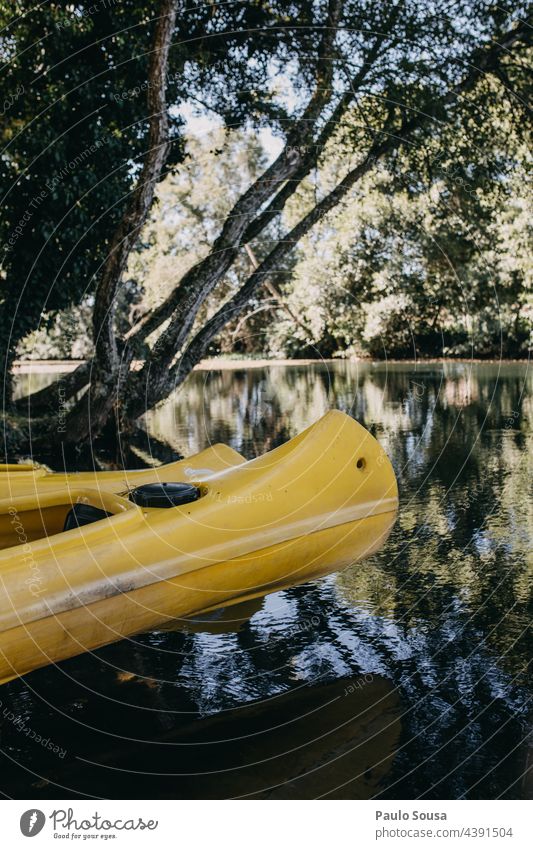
x=156 y=381
x=109 y=365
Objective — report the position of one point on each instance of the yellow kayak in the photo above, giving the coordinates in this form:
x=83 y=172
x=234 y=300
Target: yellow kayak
x=89 y=558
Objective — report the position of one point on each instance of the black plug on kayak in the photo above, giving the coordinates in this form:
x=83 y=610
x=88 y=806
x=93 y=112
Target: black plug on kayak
x=83 y=514
x=164 y=494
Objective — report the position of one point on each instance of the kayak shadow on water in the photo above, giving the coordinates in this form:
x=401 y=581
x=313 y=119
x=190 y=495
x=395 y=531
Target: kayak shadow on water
x=333 y=739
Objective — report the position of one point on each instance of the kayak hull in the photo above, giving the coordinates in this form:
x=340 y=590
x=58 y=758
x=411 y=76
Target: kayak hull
x=53 y=639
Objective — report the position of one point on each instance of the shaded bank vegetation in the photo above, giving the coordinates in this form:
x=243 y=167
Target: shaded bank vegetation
x=357 y=186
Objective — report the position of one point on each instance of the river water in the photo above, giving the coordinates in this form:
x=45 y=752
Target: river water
x=404 y=676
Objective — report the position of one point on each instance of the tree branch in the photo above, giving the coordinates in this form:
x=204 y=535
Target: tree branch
x=151 y=385
x=310 y=154
x=485 y=59
x=202 y=278
x=111 y=366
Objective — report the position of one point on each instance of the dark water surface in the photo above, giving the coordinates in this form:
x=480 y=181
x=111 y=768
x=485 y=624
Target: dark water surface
x=405 y=676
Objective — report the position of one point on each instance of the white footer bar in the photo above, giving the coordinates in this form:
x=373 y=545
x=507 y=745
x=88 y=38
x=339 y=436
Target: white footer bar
x=269 y=825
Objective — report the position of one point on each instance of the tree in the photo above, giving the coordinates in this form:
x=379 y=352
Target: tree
x=407 y=69
x=75 y=102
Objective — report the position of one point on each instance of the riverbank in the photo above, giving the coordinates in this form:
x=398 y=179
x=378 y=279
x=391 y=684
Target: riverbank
x=230 y=363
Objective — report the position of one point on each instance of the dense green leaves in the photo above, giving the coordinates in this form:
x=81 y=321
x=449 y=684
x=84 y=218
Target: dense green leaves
x=70 y=144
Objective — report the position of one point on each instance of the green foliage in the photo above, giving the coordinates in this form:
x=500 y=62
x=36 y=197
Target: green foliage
x=72 y=136
x=429 y=253
x=192 y=204
x=427 y=262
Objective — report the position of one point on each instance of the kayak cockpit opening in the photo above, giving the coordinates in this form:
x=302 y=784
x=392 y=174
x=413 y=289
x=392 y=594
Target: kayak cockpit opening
x=27 y=518
x=84 y=514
